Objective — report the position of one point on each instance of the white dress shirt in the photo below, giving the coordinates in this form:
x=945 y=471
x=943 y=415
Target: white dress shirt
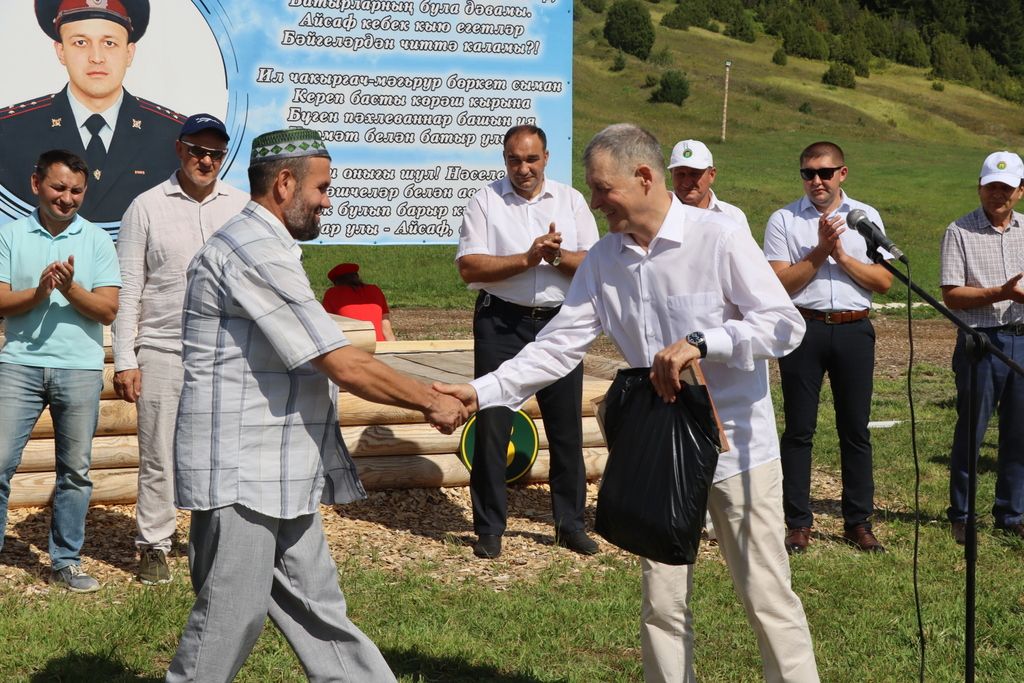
x=701 y=272
x=791 y=234
x=498 y=222
x=730 y=210
x=161 y=231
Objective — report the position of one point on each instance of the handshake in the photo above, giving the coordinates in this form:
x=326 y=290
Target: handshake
x=451 y=407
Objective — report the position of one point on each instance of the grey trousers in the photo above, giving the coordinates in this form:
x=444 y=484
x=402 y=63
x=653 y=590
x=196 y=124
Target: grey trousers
x=155 y=515
x=246 y=566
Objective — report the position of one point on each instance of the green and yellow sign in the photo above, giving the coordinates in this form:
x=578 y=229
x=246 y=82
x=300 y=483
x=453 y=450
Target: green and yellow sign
x=522 y=446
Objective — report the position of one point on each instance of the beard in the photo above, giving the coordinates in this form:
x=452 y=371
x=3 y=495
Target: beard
x=303 y=221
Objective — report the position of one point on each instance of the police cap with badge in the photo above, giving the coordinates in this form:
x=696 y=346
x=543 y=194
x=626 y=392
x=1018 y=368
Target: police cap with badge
x=132 y=14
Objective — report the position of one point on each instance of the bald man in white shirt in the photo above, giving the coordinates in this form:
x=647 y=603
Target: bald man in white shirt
x=665 y=307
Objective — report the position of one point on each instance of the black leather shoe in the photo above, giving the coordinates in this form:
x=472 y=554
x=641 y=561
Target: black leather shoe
x=959 y=531
x=577 y=541
x=487 y=546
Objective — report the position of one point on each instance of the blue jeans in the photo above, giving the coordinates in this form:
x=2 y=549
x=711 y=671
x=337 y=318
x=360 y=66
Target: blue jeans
x=74 y=400
x=1000 y=391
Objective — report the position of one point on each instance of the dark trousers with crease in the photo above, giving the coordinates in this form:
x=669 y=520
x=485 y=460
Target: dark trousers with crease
x=499 y=333
x=847 y=353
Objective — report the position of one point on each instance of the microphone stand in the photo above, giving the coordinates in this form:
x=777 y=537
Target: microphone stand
x=976 y=345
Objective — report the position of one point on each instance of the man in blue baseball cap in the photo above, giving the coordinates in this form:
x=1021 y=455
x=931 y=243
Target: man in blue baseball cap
x=160 y=233
x=123 y=139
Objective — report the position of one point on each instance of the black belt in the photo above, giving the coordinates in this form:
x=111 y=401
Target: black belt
x=1015 y=329
x=486 y=299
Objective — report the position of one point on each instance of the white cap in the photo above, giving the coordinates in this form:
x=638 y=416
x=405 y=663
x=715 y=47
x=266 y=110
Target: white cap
x=1002 y=167
x=692 y=154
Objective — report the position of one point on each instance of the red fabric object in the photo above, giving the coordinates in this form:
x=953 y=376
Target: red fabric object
x=362 y=303
x=342 y=269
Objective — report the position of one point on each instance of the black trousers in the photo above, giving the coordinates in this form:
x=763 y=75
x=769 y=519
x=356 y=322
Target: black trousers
x=500 y=331
x=847 y=353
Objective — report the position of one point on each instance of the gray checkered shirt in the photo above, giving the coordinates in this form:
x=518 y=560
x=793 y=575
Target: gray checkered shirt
x=975 y=254
x=257 y=424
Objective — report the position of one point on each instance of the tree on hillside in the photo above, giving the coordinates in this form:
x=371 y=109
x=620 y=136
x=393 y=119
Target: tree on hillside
x=951 y=60
x=629 y=28
x=742 y=28
x=802 y=40
x=998 y=26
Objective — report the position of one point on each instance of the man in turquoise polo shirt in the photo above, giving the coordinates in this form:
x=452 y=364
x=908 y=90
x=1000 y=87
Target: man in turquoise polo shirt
x=59 y=283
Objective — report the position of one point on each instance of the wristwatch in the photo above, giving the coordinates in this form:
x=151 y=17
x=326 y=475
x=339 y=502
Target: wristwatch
x=697 y=339
x=558 y=258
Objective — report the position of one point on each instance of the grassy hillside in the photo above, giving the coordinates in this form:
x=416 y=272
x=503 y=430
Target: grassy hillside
x=913 y=152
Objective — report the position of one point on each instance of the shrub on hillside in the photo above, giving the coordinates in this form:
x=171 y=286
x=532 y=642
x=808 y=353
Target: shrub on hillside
x=674 y=88
x=779 y=57
x=650 y=81
x=676 y=19
x=629 y=28
x=840 y=75
x=594 y=5
x=726 y=11
x=619 y=63
x=696 y=12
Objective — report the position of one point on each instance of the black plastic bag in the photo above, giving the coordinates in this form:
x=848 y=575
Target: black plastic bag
x=661 y=462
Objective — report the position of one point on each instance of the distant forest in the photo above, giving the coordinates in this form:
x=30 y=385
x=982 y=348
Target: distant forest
x=976 y=42
x=979 y=43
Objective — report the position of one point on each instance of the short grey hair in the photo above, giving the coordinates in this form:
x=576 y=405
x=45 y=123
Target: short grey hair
x=629 y=146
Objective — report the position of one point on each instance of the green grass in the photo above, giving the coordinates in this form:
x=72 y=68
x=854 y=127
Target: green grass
x=914 y=153
x=573 y=625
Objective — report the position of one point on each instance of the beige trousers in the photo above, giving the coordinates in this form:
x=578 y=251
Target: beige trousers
x=747 y=513
x=157 y=407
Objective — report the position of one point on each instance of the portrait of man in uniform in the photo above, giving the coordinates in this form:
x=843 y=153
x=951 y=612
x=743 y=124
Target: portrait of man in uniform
x=126 y=141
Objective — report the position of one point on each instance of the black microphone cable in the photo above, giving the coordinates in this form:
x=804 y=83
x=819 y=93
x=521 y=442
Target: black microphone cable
x=917 y=480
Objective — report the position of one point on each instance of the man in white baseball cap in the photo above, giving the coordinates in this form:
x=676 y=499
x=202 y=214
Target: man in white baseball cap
x=982 y=267
x=693 y=172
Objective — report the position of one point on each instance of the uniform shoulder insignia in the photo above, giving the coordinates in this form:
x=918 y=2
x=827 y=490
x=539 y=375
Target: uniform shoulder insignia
x=160 y=110
x=35 y=104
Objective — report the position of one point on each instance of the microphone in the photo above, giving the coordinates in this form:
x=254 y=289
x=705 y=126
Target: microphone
x=872 y=234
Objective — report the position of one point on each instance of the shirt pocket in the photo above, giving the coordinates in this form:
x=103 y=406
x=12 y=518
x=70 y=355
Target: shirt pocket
x=694 y=312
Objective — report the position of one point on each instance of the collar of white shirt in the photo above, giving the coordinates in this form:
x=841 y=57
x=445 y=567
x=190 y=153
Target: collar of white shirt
x=507 y=189
x=82 y=113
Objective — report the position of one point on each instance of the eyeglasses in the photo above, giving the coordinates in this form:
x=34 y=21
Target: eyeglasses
x=199 y=152
x=823 y=173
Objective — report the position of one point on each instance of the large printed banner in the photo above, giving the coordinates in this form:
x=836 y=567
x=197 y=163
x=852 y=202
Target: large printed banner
x=412 y=96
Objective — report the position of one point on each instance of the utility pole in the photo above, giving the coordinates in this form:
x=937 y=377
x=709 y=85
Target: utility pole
x=725 y=102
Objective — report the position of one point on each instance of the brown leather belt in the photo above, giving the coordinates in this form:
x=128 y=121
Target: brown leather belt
x=834 y=317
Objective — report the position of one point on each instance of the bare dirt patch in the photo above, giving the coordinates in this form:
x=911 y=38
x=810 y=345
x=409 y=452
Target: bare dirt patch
x=429 y=529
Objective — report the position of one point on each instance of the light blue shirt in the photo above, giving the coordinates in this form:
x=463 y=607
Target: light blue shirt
x=54 y=334
x=792 y=232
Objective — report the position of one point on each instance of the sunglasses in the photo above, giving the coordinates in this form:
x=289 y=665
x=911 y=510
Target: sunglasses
x=199 y=152
x=823 y=173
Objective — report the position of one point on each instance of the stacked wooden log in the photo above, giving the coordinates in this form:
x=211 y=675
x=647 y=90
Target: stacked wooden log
x=392 y=447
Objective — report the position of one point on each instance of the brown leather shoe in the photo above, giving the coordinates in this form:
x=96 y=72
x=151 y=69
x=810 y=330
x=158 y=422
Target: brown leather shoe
x=797 y=539
x=861 y=537
x=959 y=531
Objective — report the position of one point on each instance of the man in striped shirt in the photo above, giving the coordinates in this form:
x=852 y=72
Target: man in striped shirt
x=257 y=446
x=982 y=265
